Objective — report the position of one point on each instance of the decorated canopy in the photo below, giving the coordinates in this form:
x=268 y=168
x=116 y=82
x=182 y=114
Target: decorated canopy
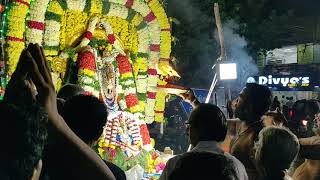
x=141 y=28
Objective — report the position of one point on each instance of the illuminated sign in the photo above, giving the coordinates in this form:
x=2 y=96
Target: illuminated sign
x=283 y=82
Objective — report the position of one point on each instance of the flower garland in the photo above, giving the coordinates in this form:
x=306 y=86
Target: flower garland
x=96 y=6
x=87 y=77
x=34 y=32
x=146 y=140
x=165 y=51
x=143 y=28
x=125 y=69
x=73 y=26
x=151 y=22
x=143 y=39
x=118 y=10
x=53 y=18
x=118 y=129
x=76 y=5
x=148 y=18
x=15 y=32
x=126 y=32
x=125 y=141
x=162 y=18
x=160 y=106
x=128 y=83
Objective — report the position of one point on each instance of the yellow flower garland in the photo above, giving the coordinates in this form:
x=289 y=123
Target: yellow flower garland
x=73 y=24
x=160 y=106
x=55 y=7
x=16 y=27
x=127 y=33
x=137 y=19
x=96 y=7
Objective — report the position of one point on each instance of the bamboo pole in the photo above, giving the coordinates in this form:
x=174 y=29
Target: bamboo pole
x=220 y=32
x=223 y=55
x=222 y=50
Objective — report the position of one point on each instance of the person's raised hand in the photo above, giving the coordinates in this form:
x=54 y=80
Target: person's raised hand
x=83 y=160
x=41 y=77
x=189 y=97
x=20 y=90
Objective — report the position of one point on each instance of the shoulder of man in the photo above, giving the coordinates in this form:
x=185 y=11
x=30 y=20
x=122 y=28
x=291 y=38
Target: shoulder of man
x=241 y=171
x=117 y=172
x=169 y=167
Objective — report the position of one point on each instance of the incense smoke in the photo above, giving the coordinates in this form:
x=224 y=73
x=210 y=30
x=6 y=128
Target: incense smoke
x=236 y=52
x=197 y=48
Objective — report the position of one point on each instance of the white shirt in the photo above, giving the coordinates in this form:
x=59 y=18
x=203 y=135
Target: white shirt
x=206 y=146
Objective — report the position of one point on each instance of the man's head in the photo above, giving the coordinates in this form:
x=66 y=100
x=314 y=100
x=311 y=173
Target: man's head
x=276 y=149
x=86 y=116
x=275 y=118
x=253 y=102
x=204 y=165
x=207 y=123
x=69 y=90
x=23 y=135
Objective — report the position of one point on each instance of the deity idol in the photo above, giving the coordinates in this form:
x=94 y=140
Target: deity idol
x=99 y=73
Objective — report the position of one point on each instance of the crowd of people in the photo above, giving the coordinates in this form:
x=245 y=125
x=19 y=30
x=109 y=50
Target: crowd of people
x=49 y=136
x=263 y=148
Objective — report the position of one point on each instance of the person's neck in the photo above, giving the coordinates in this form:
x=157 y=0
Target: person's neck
x=243 y=126
x=205 y=141
x=246 y=125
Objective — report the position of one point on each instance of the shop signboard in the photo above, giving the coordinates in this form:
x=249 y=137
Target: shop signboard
x=284 y=82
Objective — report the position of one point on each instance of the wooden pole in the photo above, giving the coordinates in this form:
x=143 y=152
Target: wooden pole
x=222 y=50
x=220 y=32
x=223 y=55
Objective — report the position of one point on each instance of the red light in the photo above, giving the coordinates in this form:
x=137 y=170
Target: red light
x=291 y=113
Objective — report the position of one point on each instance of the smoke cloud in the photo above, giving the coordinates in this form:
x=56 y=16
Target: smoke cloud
x=196 y=48
x=236 y=52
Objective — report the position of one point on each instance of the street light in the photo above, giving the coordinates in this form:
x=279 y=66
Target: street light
x=228 y=71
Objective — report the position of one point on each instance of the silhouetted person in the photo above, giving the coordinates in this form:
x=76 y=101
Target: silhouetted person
x=87 y=116
x=23 y=135
x=71 y=152
x=69 y=90
x=310 y=168
x=66 y=92
x=253 y=102
x=206 y=128
x=275 y=104
x=276 y=150
x=204 y=165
